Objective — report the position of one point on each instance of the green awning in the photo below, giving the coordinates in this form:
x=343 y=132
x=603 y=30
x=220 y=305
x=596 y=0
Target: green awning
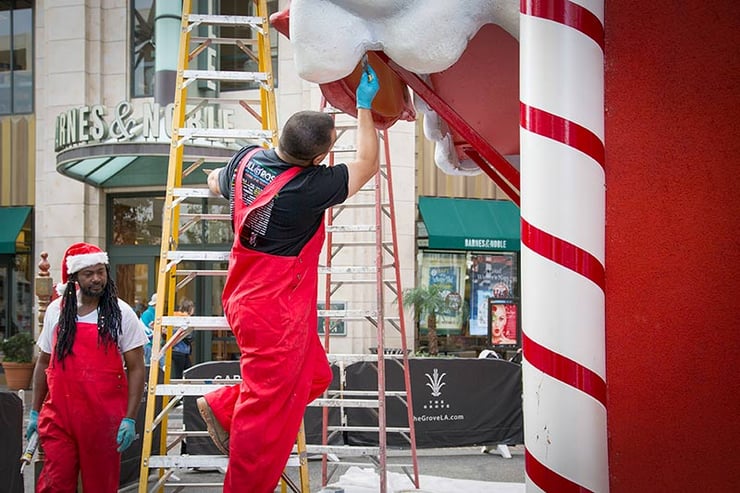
x=12 y=220
x=471 y=224
x=135 y=164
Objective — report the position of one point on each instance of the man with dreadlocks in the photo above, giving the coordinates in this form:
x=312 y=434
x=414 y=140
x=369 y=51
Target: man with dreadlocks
x=84 y=405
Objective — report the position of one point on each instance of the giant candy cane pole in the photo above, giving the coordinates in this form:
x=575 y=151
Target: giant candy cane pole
x=563 y=206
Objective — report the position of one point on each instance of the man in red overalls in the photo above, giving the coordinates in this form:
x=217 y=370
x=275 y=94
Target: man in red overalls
x=84 y=404
x=279 y=197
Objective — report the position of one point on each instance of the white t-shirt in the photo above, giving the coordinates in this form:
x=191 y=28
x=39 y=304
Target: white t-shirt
x=132 y=330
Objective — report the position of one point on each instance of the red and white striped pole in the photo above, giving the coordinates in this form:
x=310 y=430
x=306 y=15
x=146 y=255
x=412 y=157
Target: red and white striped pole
x=563 y=208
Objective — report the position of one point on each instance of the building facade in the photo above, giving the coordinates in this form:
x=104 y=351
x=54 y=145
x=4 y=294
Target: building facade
x=84 y=136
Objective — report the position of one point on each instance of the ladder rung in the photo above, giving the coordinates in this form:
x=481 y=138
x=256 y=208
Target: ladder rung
x=347 y=269
x=358 y=403
x=224 y=133
x=353 y=281
x=226 y=20
x=207 y=217
x=355 y=358
x=196 y=322
x=181 y=255
x=180 y=485
x=202 y=272
x=195 y=389
x=350 y=228
x=343 y=148
x=338 y=394
x=192 y=461
x=368 y=429
x=348 y=314
x=335 y=244
x=368 y=464
x=355 y=205
x=342 y=450
x=187 y=433
x=193 y=192
x=229 y=75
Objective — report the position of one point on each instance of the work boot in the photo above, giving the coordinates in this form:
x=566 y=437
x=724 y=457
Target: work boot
x=219 y=436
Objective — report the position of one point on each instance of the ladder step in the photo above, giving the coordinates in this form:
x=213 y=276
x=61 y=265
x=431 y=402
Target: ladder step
x=348 y=314
x=368 y=464
x=207 y=217
x=198 y=193
x=195 y=389
x=196 y=322
x=181 y=255
x=370 y=429
x=356 y=358
x=224 y=133
x=357 y=205
x=187 y=433
x=347 y=269
x=338 y=394
x=351 y=228
x=359 y=281
x=338 y=402
x=343 y=244
x=192 y=461
x=343 y=450
x=227 y=75
x=203 y=272
x=226 y=20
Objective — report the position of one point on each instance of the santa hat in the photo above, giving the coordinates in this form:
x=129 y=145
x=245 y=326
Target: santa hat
x=78 y=257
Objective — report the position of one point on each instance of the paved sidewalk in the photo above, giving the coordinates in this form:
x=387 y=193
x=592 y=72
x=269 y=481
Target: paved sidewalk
x=445 y=470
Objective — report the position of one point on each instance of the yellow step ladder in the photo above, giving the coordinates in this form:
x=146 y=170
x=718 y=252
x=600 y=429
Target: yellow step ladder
x=169 y=278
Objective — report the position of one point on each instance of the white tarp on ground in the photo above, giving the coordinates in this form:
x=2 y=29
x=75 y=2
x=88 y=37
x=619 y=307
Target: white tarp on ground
x=366 y=480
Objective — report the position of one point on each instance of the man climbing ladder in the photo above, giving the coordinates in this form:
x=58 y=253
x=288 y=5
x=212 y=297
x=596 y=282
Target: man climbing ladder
x=270 y=294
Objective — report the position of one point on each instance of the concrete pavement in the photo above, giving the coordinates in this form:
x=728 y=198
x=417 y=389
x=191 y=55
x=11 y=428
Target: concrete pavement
x=464 y=463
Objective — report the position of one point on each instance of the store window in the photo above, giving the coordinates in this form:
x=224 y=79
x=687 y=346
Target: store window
x=228 y=56
x=137 y=221
x=142 y=47
x=482 y=291
x=244 y=59
x=16 y=57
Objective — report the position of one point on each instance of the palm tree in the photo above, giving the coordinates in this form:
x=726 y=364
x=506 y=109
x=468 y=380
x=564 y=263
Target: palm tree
x=430 y=300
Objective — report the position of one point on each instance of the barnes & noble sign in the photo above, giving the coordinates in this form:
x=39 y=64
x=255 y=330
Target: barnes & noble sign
x=95 y=125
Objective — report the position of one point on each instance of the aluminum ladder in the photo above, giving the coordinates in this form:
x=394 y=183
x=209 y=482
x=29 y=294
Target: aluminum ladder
x=170 y=279
x=362 y=259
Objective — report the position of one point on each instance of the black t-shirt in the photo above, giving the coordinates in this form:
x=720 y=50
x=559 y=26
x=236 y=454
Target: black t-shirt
x=287 y=223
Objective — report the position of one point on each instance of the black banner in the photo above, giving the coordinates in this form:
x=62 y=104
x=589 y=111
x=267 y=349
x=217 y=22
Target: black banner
x=457 y=402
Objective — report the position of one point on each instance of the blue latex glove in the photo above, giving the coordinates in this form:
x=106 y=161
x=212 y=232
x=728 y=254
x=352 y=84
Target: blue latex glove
x=368 y=88
x=33 y=423
x=126 y=434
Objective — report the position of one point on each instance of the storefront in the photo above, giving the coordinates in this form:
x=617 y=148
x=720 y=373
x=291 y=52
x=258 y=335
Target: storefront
x=16 y=297
x=470 y=248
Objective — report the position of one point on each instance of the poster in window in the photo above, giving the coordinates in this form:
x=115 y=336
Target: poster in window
x=445 y=271
x=491 y=276
x=503 y=324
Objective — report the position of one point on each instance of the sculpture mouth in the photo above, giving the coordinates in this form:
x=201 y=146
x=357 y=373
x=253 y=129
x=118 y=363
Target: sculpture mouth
x=330 y=36
x=466 y=52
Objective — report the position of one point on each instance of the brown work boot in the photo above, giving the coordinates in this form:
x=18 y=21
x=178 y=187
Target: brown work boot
x=219 y=436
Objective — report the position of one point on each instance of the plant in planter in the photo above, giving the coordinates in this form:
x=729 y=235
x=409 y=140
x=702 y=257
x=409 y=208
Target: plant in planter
x=428 y=300
x=18 y=360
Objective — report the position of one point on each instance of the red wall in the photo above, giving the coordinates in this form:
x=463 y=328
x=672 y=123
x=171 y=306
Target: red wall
x=673 y=244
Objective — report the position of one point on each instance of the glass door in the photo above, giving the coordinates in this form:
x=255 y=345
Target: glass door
x=135 y=279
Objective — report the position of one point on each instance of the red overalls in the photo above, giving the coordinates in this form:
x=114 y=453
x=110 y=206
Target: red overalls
x=270 y=304
x=79 y=420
